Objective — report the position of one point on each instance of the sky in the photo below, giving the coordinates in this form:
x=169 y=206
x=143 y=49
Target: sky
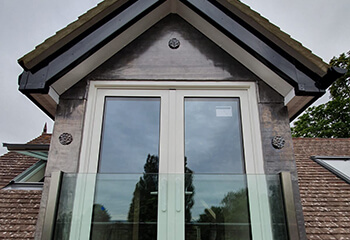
x=320 y=25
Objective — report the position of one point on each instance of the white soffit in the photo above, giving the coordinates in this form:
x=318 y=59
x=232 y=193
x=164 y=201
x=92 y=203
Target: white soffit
x=295 y=104
x=174 y=6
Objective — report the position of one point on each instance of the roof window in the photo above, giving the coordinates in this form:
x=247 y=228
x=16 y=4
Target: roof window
x=340 y=166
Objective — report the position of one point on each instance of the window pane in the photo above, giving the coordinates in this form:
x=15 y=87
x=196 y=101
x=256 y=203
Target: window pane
x=217 y=207
x=342 y=166
x=125 y=207
x=130 y=135
x=213 y=138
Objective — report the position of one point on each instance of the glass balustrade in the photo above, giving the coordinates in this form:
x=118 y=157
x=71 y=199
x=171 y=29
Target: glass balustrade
x=126 y=206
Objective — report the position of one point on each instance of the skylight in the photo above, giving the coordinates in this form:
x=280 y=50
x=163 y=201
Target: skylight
x=340 y=166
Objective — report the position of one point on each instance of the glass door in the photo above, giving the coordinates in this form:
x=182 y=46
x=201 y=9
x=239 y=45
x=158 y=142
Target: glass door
x=126 y=196
x=216 y=196
x=170 y=163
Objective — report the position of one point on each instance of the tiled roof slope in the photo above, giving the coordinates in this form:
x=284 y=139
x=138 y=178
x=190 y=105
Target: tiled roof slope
x=44 y=138
x=18 y=213
x=325 y=197
x=12 y=164
x=87 y=20
x=18 y=208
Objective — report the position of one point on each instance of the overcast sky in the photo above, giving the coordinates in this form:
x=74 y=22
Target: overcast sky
x=320 y=25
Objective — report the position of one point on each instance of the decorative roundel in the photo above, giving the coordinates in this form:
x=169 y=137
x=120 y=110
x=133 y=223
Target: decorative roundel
x=174 y=43
x=65 y=138
x=278 y=142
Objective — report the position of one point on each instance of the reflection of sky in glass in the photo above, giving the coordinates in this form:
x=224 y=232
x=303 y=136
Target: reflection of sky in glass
x=210 y=190
x=115 y=192
x=213 y=140
x=130 y=133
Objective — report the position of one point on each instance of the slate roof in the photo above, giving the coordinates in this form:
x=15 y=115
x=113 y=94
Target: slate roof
x=325 y=197
x=18 y=208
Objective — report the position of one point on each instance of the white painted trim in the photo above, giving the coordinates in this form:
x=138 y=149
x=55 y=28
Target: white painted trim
x=249 y=61
x=172 y=136
x=54 y=95
x=246 y=91
x=111 y=48
x=289 y=97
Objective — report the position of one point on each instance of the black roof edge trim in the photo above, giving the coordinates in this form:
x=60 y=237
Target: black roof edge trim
x=262 y=59
x=23 y=87
x=43 y=63
x=42 y=86
x=336 y=172
x=332 y=74
x=298 y=64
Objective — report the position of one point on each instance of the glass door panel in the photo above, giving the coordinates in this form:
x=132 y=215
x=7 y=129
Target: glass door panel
x=213 y=138
x=130 y=135
x=216 y=195
x=126 y=192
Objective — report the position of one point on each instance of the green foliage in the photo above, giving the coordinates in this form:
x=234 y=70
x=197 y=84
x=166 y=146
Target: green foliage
x=230 y=220
x=332 y=119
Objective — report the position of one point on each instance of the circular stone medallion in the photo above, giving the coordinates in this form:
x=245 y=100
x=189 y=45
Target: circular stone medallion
x=278 y=142
x=65 y=138
x=174 y=43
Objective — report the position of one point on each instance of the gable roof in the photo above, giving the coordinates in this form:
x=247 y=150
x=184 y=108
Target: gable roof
x=65 y=58
x=18 y=208
x=325 y=197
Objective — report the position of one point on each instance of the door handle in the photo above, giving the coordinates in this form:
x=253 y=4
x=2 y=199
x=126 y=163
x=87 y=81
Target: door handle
x=178 y=194
x=163 y=194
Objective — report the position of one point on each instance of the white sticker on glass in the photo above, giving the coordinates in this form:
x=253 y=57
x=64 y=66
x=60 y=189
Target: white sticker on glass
x=223 y=111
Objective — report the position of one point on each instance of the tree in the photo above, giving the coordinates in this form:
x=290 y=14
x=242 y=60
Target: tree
x=332 y=119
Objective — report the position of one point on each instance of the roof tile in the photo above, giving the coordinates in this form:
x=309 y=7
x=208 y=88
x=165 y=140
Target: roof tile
x=325 y=197
x=18 y=208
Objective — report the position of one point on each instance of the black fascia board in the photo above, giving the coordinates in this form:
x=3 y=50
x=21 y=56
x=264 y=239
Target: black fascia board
x=39 y=80
x=298 y=64
x=82 y=35
x=265 y=51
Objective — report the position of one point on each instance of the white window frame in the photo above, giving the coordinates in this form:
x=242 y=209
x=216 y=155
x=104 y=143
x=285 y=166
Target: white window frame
x=172 y=92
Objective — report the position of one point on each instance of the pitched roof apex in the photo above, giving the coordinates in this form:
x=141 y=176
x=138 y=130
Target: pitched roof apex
x=50 y=46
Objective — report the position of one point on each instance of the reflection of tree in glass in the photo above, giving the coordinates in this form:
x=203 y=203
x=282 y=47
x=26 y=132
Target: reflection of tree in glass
x=100 y=218
x=101 y=213
x=278 y=219
x=189 y=192
x=143 y=208
x=228 y=221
